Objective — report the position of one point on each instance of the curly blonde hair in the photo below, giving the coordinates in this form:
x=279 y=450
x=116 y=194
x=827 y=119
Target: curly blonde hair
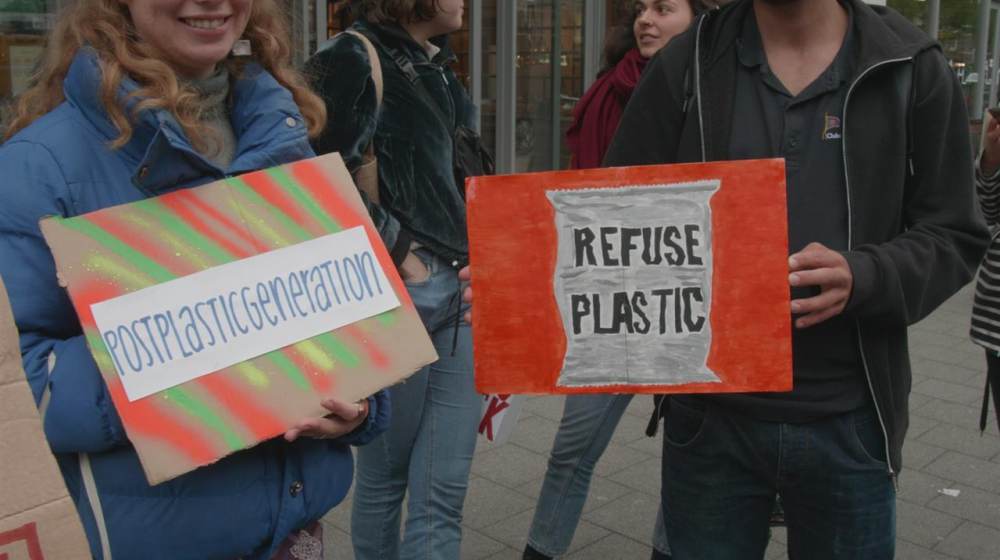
x=106 y=26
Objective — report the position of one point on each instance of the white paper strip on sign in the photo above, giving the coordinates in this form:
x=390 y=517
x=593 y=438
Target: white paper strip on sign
x=170 y=333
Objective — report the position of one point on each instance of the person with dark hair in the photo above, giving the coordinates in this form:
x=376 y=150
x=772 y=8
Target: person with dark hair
x=403 y=105
x=134 y=99
x=882 y=229
x=589 y=421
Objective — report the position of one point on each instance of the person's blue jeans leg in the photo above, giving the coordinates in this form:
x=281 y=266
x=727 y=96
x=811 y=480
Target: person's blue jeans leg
x=442 y=452
x=721 y=472
x=717 y=492
x=429 y=445
x=588 y=422
x=839 y=500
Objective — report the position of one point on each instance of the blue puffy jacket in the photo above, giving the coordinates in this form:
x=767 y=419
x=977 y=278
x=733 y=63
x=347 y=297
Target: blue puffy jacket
x=242 y=506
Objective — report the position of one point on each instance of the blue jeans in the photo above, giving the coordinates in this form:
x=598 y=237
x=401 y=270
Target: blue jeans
x=721 y=472
x=586 y=428
x=429 y=445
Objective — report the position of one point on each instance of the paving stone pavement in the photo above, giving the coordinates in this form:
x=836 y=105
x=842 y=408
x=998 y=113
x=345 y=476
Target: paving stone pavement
x=943 y=450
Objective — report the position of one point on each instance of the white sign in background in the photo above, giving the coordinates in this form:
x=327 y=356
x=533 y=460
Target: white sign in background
x=170 y=333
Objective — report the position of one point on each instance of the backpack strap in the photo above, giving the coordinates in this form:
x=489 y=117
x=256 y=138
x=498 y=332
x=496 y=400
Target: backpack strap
x=366 y=175
x=376 y=65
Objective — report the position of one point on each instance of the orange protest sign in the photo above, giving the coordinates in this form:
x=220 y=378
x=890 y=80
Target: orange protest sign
x=656 y=279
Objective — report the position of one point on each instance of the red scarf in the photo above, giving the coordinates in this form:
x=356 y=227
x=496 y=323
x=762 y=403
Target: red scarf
x=596 y=115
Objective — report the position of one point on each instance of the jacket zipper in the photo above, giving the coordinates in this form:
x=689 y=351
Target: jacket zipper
x=697 y=84
x=850 y=232
x=850 y=245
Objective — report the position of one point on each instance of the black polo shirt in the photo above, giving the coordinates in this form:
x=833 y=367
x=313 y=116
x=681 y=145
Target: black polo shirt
x=805 y=129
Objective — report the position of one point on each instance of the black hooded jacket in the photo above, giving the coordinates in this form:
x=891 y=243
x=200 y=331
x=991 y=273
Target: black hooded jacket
x=914 y=238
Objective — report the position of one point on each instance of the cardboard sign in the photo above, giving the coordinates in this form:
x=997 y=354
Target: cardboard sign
x=657 y=279
x=280 y=231
x=499 y=417
x=38 y=520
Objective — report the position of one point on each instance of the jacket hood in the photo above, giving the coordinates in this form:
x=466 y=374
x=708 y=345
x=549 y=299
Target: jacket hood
x=263 y=135
x=881 y=33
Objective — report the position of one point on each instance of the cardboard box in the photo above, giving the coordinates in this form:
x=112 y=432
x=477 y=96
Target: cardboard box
x=38 y=520
x=226 y=346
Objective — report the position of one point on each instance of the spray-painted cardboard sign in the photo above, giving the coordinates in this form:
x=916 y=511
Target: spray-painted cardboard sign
x=659 y=279
x=221 y=315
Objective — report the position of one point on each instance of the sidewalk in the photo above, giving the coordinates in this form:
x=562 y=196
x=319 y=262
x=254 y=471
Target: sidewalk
x=943 y=451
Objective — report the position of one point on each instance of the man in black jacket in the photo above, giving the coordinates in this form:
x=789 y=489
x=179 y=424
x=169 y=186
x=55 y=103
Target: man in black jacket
x=882 y=229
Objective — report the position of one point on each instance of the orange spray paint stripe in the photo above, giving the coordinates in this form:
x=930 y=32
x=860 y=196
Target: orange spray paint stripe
x=375 y=354
x=242 y=403
x=218 y=217
x=321 y=384
x=184 y=211
x=276 y=196
x=144 y=415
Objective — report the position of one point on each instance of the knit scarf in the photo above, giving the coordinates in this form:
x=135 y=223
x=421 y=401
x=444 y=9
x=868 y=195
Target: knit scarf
x=596 y=115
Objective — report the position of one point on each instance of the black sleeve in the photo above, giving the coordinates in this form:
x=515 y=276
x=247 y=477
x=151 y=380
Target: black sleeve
x=903 y=280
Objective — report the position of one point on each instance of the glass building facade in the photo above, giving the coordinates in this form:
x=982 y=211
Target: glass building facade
x=525 y=62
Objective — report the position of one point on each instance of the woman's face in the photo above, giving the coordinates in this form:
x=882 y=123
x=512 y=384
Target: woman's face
x=657 y=21
x=448 y=17
x=192 y=36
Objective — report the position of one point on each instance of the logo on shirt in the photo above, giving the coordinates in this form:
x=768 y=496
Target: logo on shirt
x=831 y=127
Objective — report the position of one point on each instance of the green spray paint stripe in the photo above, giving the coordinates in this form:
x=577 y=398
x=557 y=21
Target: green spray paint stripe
x=193 y=406
x=337 y=349
x=289 y=369
x=176 y=243
x=387 y=318
x=120 y=248
x=304 y=199
x=256 y=198
x=100 y=351
x=184 y=400
x=176 y=226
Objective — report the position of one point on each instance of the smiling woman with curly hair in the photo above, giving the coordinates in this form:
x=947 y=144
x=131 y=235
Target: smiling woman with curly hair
x=136 y=98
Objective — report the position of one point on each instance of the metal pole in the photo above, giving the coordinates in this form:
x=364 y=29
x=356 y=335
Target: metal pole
x=594 y=19
x=933 y=18
x=992 y=99
x=506 y=84
x=476 y=57
x=321 y=29
x=982 y=43
x=555 y=61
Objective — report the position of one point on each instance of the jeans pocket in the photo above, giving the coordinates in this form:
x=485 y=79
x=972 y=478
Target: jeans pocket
x=427 y=259
x=868 y=435
x=684 y=424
